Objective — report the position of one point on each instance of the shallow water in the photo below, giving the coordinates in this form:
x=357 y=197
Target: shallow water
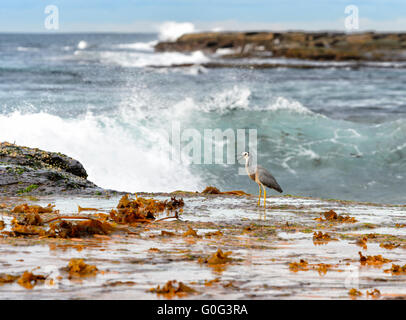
x=260 y=269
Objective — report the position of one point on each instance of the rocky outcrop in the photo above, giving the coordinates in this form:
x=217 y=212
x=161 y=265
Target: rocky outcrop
x=28 y=171
x=323 y=46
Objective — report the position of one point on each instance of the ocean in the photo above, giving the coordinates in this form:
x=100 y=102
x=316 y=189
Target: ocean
x=109 y=101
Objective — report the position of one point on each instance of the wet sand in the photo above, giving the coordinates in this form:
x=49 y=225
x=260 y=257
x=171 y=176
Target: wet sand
x=264 y=246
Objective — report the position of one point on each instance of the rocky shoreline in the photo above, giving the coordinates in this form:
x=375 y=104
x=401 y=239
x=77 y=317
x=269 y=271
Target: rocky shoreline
x=315 y=46
x=29 y=171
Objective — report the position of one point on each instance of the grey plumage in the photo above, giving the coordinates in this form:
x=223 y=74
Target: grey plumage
x=267 y=179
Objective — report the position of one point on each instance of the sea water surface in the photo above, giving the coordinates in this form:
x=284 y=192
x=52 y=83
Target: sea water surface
x=110 y=101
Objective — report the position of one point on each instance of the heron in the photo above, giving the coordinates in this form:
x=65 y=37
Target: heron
x=261 y=176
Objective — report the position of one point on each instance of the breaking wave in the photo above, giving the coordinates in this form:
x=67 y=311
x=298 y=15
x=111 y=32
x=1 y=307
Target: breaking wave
x=82 y=45
x=139 y=59
x=138 y=46
x=170 y=31
x=115 y=156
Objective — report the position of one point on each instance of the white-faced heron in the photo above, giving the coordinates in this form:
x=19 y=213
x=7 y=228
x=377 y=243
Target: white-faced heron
x=261 y=176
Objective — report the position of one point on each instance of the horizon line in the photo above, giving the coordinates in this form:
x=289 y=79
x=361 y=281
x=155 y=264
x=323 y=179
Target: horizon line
x=205 y=31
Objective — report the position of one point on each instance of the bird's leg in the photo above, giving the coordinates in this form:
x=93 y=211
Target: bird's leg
x=264 y=198
x=259 y=198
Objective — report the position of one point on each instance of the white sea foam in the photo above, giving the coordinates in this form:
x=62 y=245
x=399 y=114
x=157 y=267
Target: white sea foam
x=282 y=103
x=308 y=153
x=138 y=46
x=192 y=70
x=170 y=31
x=225 y=51
x=140 y=54
x=113 y=155
x=142 y=59
x=27 y=49
x=238 y=98
x=82 y=45
x=220 y=102
x=234 y=98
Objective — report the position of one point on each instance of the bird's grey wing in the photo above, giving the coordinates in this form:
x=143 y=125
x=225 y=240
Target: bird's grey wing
x=267 y=179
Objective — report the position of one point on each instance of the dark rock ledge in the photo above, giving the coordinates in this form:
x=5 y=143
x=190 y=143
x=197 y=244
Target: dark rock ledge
x=319 y=46
x=28 y=171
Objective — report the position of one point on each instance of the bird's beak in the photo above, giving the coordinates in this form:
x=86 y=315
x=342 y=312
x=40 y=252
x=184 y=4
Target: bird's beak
x=240 y=157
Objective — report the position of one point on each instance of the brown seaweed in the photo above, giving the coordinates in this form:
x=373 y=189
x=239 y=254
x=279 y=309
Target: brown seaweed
x=25 y=208
x=29 y=280
x=78 y=268
x=373 y=260
x=169 y=290
x=214 y=190
x=141 y=209
x=332 y=216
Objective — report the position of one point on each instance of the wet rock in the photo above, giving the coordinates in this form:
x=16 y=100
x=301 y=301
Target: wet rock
x=29 y=171
x=338 y=46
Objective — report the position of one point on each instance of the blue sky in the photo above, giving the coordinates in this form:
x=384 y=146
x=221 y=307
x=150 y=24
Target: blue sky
x=148 y=15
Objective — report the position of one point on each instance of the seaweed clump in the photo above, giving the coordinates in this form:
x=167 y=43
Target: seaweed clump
x=7 y=278
x=214 y=190
x=29 y=222
x=191 y=232
x=28 y=280
x=322 y=238
x=29 y=225
x=355 y=293
x=374 y=293
x=169 y=290
x=396 y=269
x=211 y=190
x=362 y=242
x=142 y=210
x=302 y=265
x=322 y=268
x=372 y=260
x=78 y=268
x=216 y=258
x=25 y=208
x=389 y=245
x=66 y=229
x=334 y=217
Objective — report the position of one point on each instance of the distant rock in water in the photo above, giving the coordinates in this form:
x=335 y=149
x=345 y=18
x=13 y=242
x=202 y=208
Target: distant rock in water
x=322 y=46
x=28 y=171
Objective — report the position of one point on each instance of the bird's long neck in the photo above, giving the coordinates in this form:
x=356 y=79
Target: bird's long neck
x=248 y=166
